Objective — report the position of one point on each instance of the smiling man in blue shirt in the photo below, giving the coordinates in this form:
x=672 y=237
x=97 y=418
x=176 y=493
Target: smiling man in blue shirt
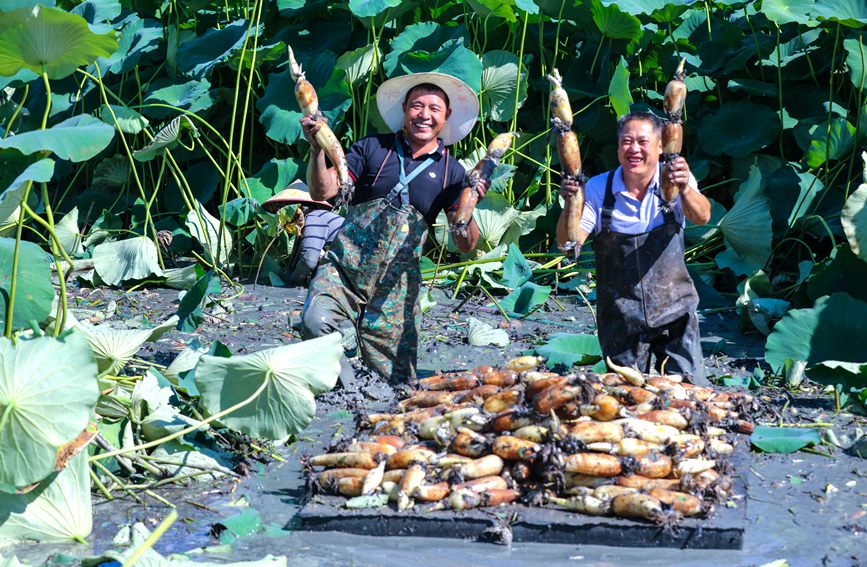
x=646 y=301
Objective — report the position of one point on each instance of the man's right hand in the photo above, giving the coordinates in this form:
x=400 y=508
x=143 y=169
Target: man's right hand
x=309 y=127
x=569 y=187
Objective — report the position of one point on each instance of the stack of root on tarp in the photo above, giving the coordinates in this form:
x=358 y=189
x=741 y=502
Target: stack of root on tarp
x=621 y=443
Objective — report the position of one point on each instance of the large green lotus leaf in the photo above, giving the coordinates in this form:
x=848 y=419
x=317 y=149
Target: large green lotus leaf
x=619 y=93
x=11 y=198
x=853 y=217
x=50 y=40
x=114 y=348
x=138 y=38
x=747 y=229
x=77 y=139
x=205 y=231
x=130 y=259
x=371 y=8
x=41 y=377
x=855 y=60
x=423 y=36
x=182 y=278
x=58 y=510
x=799 y=46
x=790 y=193
x=570 y=349
x=842 y=271
x=525 y=299
x=152 y=410
x=358 y=63
x=167 y=138
x=739 y=129
x=111 y=173
x=852 y=13
x=494 y=216
x=452 y=59
x=525 y=223
x=95 y=11
x=193 y=95
x=196 y=58
x=516 y=270
x=500 y=85
x=69 y=234
x=274 y=176
x=128 y=120
x=783 y=439
x=833 y=144
x=833 y=330
x=784 y=12
x=483 y=334
x=615 y=24
x=292 y=374
x=279 y=111
x=504 y=9
x=33 y=290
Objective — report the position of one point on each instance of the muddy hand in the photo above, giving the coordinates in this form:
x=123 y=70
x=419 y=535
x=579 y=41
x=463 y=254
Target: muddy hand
x=309 y=127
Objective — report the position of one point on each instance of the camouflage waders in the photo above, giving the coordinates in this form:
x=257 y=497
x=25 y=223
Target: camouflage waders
x=370 y=279
x=645 y=301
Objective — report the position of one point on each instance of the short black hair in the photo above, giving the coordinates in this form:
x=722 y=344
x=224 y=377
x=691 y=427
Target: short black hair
x=654 y=120
x=429 y=87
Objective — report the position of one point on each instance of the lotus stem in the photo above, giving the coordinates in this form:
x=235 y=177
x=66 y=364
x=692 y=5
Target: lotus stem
x=118 y=482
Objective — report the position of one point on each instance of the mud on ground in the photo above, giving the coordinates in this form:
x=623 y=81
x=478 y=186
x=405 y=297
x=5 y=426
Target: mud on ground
x=806 y=508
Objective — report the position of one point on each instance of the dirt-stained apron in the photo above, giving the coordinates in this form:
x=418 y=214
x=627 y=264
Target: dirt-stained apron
x=371 y=279
x=646 y=301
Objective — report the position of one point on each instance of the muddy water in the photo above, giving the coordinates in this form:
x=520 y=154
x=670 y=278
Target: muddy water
x=791 y=511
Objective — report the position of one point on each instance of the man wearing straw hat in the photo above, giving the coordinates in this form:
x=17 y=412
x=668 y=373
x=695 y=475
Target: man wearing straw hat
x=370 y=278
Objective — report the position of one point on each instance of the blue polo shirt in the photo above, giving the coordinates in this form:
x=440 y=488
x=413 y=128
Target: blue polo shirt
x=629 y=216
x=427 y=192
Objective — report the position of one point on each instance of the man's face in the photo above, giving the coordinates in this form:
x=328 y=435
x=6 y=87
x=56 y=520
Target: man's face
x=424 y=115
x=639 y=148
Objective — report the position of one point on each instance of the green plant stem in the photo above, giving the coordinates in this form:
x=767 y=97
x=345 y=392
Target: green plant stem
x=859 y=104
x=159 y=498
x=61 y=275
x=152 y=539
x=100 y=485
x=118 y=482
x=460 y=281
x=756 y=43
x=831 y=95
x=596 y=55
x=186 y=430
x=779 y=88
x=497 y=303
x=11 y=121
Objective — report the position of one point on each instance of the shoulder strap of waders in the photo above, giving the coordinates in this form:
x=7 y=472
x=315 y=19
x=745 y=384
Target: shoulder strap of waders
x=608 y=202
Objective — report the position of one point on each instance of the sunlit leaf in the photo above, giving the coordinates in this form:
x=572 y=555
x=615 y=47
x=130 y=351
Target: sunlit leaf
x=831 y=334
x=856 y=61
x=483 y=334
x=77 y=139
x=358 y=63
x=525 y=299
x=851 y=13
x=33 y=292
x=114 y=348
x=13 y=195
x=167 y=138
x=747 y=228
x=451 y=59
x=58 y=510
x=423 y=36
x=494 y=9
x=123 y=260
x=196 y=58
x=40 y=38
x=500 y=85
x=194 y=96
x=726 y=131
x=69 y=234
x=204 y=228
x=614 y=24
x=494 y=216
x=128 y=120
x=853 y=217
x=831 y=145
x=370 y=8
x=35 y=384
x=569 y=349
x=784 y=12
x=137 y=39
x=619 y=93
x=783 y=439
x=291 y=376
x=516 y=270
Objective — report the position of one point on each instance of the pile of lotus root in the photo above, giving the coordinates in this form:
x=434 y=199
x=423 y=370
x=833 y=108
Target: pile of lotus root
x=621 y=443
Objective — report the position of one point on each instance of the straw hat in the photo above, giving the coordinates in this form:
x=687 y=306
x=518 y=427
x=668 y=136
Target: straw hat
x=294 y=194
x=462 y=100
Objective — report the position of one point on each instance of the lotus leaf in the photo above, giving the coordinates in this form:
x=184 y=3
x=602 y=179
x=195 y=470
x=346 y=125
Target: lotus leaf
x=58 y=510
x=167 y=138
x=179 y=459
x=33 y=290
x=69 y=234
x=264 y=54
x=198 y=57
x=357 y=64
x=274 y=176
x=291 y=376
x=33 y=385
x=153 y=412
x=494 y=9
x=843 y=271
x=423 y=36
x=857 y=56
x=500 y=86
x=570 y=349
x=77 y=139
x=190 y=309
x=114 y=348
x=10 y=199
x=364 y=502
x=138 y=38
x=726 y=132
x=370 y=8
x=516 y=270
x=619 y=93
x=832 y=332
x=128 y=120
x=765 y=311
x=452 y=59
x=854 y=217
x=205 y=228
x=797 y=47
x=123 y=260
x=784 y=12
x=494 y=216
x=614 y=24
x=747 y=229
x=783 y=439
x=525 y=299
x=238 y=212
x=193 y=96
x=851 y=13
x=483 y=334
x=832 y=144
x=95 y=11
x=182 y=278
x=111 y=173
x=49 y=40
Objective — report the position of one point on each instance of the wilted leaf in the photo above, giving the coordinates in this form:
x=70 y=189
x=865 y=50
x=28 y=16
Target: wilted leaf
x=123 y=260
x=363 y=502
x=114 y=348
x=483 y=334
